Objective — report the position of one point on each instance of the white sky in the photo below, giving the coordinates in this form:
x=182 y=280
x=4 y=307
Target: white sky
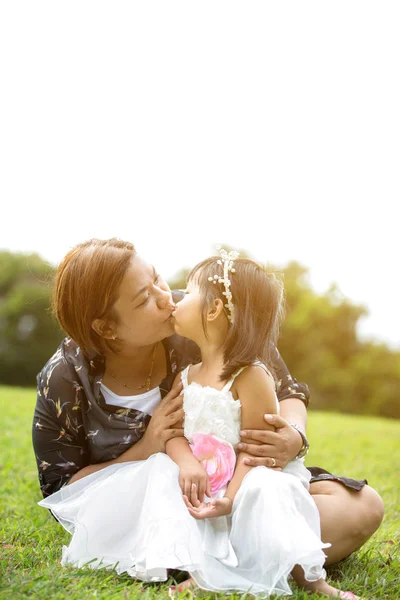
x=273 y=127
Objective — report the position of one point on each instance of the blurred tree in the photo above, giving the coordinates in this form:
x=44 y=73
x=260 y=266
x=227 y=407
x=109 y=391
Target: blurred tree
x=320 y=346
x=28 y=333
x=318 y=342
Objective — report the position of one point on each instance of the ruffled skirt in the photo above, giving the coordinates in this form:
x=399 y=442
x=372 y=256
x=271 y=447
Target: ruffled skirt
x=131 y=517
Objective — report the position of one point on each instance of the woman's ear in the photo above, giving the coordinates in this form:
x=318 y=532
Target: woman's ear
x=103 y=330
x=216 y=308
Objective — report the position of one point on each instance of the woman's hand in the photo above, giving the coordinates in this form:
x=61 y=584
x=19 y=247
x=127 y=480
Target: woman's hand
x=194 y=481
x=166 y=421
x=277 y=447
x=219 y=507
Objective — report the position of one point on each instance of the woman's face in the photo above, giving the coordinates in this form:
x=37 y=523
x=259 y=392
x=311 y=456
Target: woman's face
x=144 y=306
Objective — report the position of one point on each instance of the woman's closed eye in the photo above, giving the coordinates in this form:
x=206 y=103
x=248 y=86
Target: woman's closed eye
x=144 y=301
x=156 y=282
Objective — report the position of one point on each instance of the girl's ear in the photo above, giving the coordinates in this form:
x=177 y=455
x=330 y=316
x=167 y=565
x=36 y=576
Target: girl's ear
x=216 y=308
x=103 y=330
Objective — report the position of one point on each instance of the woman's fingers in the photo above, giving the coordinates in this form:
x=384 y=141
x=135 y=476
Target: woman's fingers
x=259 y=435
x=176 y=416
x=173 y=433
x=276 y=420
x=172 y=405
x=173 y=393
x=257 y=450
x=256 y=461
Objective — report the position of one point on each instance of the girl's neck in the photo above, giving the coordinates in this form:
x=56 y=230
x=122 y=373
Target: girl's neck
x=212 y=359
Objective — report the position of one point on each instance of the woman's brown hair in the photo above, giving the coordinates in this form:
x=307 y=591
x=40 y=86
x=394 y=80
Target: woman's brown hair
x=257 y=297
x=86 y=288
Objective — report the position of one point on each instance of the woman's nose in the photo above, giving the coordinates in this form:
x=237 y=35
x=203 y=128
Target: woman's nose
x=164 y=298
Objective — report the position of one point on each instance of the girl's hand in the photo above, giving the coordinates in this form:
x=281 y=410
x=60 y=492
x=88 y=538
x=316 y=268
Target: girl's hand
x=194 y=481
x=219 y=507
x=166 y=421
x=282 y=443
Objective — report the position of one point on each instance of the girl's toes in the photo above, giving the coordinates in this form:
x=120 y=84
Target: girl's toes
x=349 y=596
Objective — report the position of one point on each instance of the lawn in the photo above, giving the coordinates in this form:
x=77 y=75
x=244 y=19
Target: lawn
x=31 y=540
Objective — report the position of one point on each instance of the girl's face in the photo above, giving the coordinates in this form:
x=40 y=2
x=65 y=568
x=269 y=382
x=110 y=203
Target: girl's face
x=187 y=314
x=144 y=306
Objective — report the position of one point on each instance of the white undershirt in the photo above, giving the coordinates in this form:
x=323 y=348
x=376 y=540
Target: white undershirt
x=146 y=402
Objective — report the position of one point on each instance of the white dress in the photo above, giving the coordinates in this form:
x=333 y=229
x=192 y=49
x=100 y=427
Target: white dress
x=131 y=516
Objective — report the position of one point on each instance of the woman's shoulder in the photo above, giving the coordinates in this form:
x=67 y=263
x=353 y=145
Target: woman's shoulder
x=67 y=364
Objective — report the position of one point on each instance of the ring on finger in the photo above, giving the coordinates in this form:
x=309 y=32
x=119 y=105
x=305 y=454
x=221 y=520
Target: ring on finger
x=273 y=462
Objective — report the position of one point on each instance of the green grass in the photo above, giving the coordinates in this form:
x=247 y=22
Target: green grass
x=31 y=540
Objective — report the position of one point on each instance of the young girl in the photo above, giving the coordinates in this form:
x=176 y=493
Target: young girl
x=200 y=508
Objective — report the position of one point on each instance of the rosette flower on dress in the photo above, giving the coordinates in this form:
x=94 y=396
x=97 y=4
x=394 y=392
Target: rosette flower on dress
x=218 y=458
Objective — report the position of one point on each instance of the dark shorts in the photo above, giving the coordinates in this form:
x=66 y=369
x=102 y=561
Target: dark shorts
x=318 y=474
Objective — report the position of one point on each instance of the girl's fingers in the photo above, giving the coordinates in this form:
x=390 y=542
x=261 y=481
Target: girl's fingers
x=193 y=498
x=187 y=502
x=208 y=488
x=188 y=489
x=202 y=489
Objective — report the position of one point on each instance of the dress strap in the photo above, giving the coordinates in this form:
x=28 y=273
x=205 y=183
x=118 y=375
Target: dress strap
x=228 y=385
x=184 y=376
x=256 y=363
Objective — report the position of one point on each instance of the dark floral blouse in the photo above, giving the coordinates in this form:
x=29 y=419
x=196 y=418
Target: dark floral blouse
x=74 y=427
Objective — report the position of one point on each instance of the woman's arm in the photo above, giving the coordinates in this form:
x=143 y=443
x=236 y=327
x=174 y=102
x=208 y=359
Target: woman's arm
x=58 y=435
x=164 y=425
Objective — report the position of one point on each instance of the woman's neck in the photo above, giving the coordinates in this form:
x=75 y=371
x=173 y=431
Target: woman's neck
x=131 y=359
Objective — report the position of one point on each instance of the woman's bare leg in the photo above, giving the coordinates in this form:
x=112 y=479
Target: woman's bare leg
x=348 y=518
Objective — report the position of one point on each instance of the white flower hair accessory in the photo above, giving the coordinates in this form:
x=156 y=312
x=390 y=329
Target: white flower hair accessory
x=226 y=261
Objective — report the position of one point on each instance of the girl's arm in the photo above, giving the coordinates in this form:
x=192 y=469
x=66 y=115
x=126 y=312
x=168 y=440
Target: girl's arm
x=256 y=390
x=193 y=479
x=179 y=449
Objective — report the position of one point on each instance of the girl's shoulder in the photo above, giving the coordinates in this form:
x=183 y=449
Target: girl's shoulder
x=252 y=380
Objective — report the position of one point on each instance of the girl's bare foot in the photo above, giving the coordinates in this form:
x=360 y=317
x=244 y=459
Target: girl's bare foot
x=189 y=584
x=323 y=589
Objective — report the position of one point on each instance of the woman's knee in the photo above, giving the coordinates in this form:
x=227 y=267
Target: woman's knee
x=372 y=511
x=361 y=512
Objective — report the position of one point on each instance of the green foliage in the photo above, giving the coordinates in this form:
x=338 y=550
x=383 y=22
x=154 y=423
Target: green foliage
x=31 y=540
x=319 y=341
x=28 y=333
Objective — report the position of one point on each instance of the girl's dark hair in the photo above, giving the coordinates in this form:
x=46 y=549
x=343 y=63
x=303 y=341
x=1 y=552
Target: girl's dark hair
x=257 y=297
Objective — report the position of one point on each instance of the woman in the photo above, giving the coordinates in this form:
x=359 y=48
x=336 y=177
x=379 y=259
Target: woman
x=105 y=396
